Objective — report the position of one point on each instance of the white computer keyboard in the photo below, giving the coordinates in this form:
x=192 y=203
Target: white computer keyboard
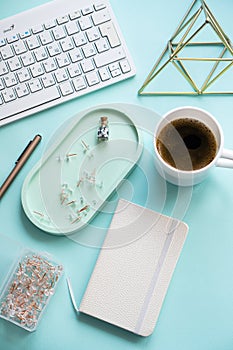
x=56 y=52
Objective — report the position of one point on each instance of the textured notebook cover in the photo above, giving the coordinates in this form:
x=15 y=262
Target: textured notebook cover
x=133 y=270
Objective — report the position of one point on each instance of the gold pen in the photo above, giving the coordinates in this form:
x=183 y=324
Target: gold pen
x=19 y=164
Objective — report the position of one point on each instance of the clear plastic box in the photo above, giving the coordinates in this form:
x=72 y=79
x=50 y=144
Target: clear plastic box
x=29 y=283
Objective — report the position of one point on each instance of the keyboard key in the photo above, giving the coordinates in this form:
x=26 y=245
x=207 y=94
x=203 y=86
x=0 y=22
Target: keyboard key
x=108 y=57
x=40 y=54
x=48 y=80
x=12 y=38
x=49 y=65
x=32 y=42
x=87 y=10
x=62 y=60
x=100 y=17
x=10 y=80
x=37 y=29
x=92 y=78
x=2 y=42
x=25 y=34
x=79 y=39
x=36 y=70
x=108 y=29
x=50 y=24
x=76 y=55
x=115 y=73
x=72 y=27
x=113 y=66
x=23 y=75
x=53 y=49
x=35 y=85
x=6 y=52
x=22 y=90
x=8 y=95
x=66 y=88
x=75 y=15
x=61 y=75
x=62 y=19
x=99 y=6
x=93 y=34
x=102 y=45
x=46 y=38
x=74 y=70
x=104 y=74
x=30 y=101
x=87 y=65
x=66 y=44
x=125 y=66
x=3 y=68
x=79 y=83
x=89 y=50
x=59 y=33
x=19 y=47
x=14 y=63
x=85 y=23
x=27 y=59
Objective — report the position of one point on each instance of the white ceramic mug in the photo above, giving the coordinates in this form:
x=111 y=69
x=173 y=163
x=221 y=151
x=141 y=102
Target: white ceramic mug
x=223 y=157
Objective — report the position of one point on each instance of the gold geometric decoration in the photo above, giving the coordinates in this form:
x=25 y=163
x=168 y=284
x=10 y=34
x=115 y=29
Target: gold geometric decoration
x=188 y=30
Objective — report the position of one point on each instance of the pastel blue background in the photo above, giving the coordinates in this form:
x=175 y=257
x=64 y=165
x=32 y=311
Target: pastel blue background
x=198 y=309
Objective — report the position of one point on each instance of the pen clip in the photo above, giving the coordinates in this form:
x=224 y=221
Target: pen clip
x=23 y=152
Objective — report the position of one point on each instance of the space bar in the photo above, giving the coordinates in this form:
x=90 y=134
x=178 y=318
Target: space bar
x=22 y=104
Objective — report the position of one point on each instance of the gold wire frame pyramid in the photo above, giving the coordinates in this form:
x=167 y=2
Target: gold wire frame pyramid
x=174 y=48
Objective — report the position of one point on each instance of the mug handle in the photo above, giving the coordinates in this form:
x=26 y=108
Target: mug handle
x=226 y=159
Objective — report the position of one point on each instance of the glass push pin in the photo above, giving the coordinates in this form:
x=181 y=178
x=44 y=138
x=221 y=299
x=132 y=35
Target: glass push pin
x=103 y=130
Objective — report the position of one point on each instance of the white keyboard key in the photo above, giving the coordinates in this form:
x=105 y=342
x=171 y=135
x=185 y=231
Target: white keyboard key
x=30 y=101
x=72 y=28
x=10 y=80
x=48 y=80
x=115 y=73
x=59 y=33
x=37 y=29
x=36 y=70
x=32 y=42
x=108 y=29
x=79 y=39
x=93 y=33
x=113 y=66
x=62 y=19
x=75 y=15
x=50 y=24
x=8 y=95
x=87 y=65
x=22 y=90
x=61 y=75
x=66 y=44
x=6 y=52
x=125 y=66
x=85 y=23
x=89 y=50
x=99 y=6
x=49 y=65
x=19 y=47
x=35 y=85
x=92 y=78
x=76 y=55
x=25 y=34
x=2 y=42
x=66 y=88
x=102 y=45
x=62 y=60
x=1 y=85
x=27 y=59
x=79 y=83
x=54 y=49
x=40 y=54
x=109 y=57
x=14 y=63
x=23 y=75
x=12 y=38
x=3 y=68
x=101 y=17
x=74 y=70
x=104 y=74
x=46 y=38
x=87 y=10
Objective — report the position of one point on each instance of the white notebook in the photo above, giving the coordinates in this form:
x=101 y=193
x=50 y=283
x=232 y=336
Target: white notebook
x=133 y=270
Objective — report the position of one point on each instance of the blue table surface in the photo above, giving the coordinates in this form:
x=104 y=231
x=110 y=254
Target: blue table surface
x=198 y=309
